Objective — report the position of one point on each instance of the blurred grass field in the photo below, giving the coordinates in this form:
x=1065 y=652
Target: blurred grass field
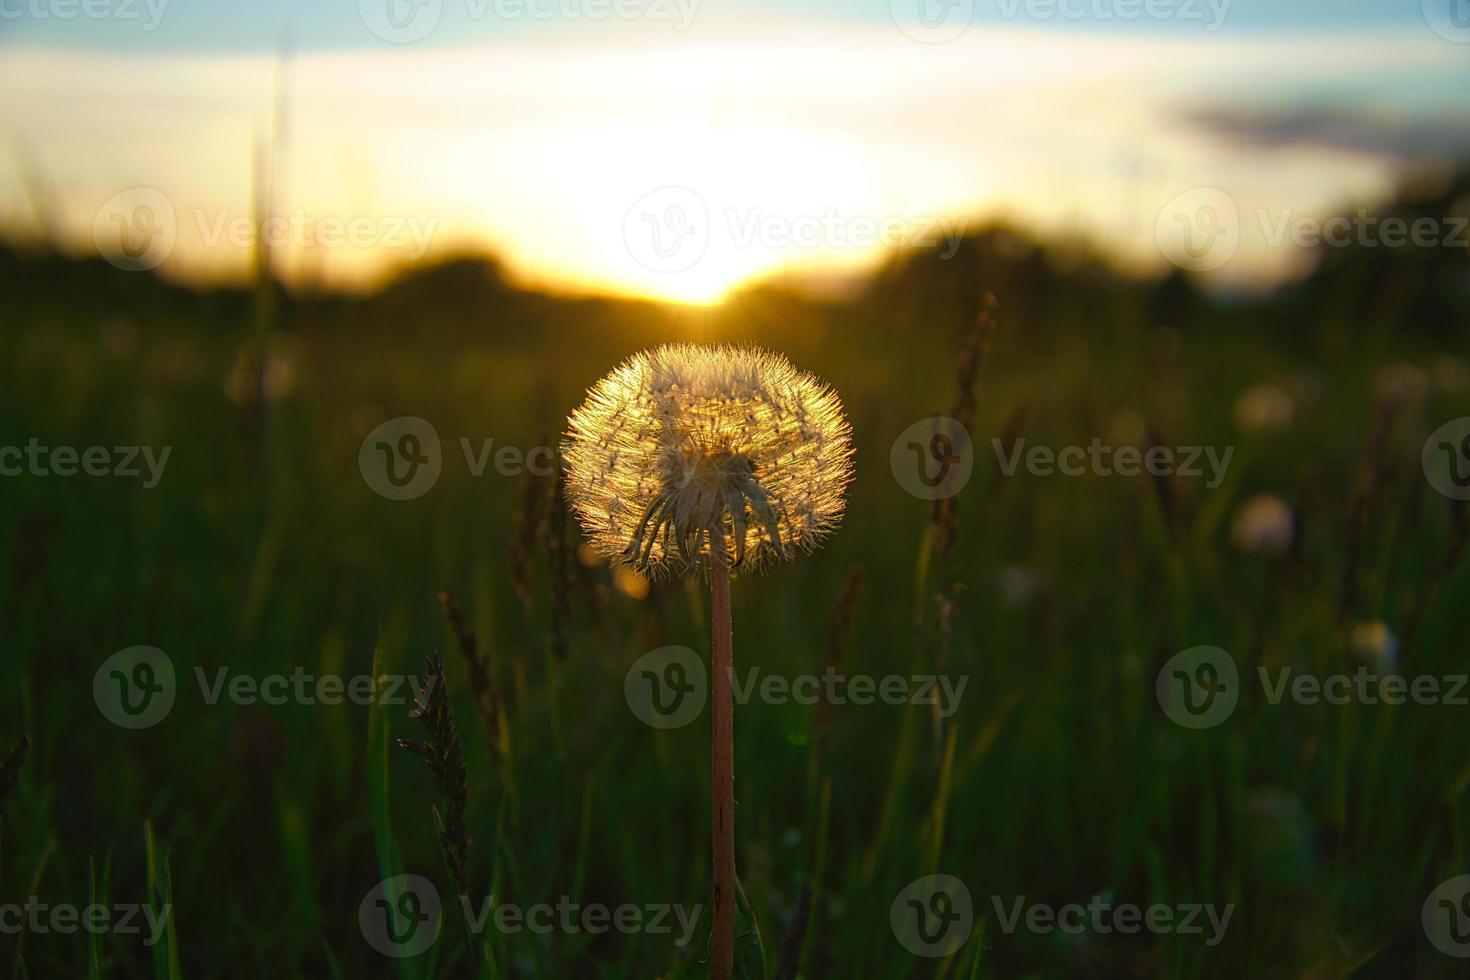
x=263 y=550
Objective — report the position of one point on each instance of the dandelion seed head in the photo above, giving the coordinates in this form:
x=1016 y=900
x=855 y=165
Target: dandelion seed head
x=1264 y=408
x=1374 y=644
x=1264 y=525
x=686 y=452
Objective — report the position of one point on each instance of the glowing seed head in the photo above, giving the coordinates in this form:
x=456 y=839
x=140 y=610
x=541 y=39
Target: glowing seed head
x=685 y=453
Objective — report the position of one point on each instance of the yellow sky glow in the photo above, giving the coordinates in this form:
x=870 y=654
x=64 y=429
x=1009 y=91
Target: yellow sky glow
x=788 y=155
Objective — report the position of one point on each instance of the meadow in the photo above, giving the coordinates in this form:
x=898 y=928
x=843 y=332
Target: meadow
x=262 y=551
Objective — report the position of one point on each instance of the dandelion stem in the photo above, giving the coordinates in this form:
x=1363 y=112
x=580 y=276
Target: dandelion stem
x=722 y=771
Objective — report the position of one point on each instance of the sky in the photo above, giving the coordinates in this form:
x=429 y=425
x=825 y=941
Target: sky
x=220 y=26
x=678 y=148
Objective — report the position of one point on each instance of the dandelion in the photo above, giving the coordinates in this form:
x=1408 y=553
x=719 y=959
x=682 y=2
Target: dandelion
x=692 y=458
x=1018 y=585
x=1264 y=408
x=688 y=454
x=1264 y=524
x=1373 y=643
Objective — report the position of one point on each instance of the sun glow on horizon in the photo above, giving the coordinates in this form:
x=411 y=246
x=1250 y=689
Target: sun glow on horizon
x=678 y=172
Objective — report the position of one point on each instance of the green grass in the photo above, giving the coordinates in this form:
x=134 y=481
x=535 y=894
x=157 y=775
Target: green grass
x=263 y=550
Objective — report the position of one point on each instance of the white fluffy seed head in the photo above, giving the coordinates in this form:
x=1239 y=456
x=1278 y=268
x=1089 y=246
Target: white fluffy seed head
x=685 y=454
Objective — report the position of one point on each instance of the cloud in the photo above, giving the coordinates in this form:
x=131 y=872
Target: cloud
x=1398 y=136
